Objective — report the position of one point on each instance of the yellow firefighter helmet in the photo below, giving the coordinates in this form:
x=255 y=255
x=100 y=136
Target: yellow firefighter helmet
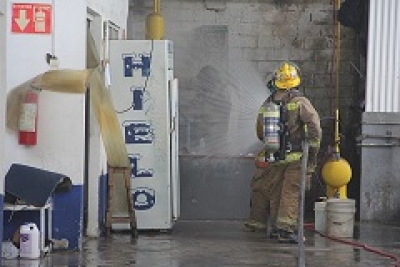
x=287 y=76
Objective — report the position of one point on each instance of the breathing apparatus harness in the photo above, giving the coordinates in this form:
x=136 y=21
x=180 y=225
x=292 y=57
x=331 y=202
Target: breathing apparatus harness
x=275 y=129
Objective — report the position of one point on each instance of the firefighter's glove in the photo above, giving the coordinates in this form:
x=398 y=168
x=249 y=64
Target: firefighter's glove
x=260 y=173
x=312 y=159
x=260 y=160
x=311 y=164
x=309 y=180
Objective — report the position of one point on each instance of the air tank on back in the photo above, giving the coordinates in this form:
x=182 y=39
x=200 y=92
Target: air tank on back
x=271 y=129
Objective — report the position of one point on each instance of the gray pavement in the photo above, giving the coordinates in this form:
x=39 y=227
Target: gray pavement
x=225 y=243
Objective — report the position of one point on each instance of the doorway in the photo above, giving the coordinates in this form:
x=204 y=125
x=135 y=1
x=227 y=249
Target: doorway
x=93 y=155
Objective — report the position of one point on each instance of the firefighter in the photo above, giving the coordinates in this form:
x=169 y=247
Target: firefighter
x=275 y=187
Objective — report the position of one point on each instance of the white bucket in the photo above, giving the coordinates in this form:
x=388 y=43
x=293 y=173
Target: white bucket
x=320 y=216
x=29 y=240
x=340 y=217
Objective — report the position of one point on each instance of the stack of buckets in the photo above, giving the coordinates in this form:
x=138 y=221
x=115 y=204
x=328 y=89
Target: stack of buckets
x=29 y=241
x=335 y=217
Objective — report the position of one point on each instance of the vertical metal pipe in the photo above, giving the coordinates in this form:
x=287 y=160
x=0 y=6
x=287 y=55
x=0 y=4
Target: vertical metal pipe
x=301 y=262
x=371 y=59
x=337 y=135
x=338 y=55
x=156 y=6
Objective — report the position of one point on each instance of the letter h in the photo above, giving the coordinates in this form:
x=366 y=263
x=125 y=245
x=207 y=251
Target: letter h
x=139 y=62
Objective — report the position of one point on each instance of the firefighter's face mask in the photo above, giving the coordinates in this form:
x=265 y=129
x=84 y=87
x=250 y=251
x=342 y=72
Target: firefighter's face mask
x=270 y=82
x=271 y=86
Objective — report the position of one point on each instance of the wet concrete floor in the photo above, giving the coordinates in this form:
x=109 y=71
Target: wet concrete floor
x=225 y=243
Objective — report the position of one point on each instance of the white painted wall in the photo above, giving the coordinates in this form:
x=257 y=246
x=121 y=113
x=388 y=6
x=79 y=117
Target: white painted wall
x=115 y=11
x=97 y=158
x=2 y=88
x=61 y=131
x=60 y=126
x=101 y=13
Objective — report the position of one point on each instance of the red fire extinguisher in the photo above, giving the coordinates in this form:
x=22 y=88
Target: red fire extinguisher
x=28 y=119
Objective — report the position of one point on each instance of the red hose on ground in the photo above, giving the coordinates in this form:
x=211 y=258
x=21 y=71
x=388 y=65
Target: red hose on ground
x=310 y=227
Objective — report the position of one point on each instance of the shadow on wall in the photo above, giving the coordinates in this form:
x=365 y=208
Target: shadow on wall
x=219 y=97
x=218 y=104
x=210 y=111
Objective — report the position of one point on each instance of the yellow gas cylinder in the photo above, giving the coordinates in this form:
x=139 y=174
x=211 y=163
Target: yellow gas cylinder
x=155 y=26
x=155 y=23
x=336 y=173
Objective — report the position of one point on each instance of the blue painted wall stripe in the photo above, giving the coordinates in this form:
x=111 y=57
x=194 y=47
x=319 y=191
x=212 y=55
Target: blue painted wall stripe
x=1 y=220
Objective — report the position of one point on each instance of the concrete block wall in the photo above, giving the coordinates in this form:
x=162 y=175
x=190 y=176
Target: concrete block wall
x=260 y=35
x=265 y=33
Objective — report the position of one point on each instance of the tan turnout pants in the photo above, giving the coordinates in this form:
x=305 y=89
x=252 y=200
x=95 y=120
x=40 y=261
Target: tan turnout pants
x=275 y=195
